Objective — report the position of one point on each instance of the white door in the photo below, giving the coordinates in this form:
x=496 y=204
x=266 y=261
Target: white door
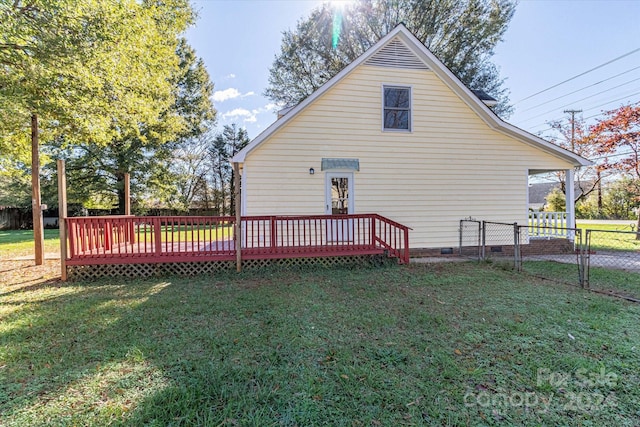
x=339 y=201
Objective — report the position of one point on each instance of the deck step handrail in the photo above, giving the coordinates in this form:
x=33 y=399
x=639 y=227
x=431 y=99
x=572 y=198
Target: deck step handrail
x=130 y=239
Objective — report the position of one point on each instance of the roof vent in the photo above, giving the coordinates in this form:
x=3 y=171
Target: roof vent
x=396 y=54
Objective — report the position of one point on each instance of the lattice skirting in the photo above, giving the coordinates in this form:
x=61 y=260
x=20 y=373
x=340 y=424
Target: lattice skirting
x=83 y=272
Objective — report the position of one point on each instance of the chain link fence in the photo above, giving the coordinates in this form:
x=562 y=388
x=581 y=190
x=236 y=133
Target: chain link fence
x=500 y=243
x=602 y=260
x=553 y=254
x=612 y=262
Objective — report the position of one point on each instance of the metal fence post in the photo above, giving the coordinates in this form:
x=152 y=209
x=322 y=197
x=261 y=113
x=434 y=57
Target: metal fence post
x=479 y=241
x=584 y=260
x=517 y=260
x=484 y=241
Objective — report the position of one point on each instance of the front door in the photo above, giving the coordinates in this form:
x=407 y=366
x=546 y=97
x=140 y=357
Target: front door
x=339 y=201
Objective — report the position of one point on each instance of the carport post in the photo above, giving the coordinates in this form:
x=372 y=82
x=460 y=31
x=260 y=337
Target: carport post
x=570 y=202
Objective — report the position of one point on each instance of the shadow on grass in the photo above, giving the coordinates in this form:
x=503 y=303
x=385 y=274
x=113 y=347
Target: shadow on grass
x=378 y=346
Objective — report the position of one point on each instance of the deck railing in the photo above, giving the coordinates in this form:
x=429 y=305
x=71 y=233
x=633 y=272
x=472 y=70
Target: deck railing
x=129 y=239
x=548 y=224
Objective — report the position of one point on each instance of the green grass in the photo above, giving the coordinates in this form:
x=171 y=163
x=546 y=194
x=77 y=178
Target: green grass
x=187 y=234
x=612 y=241
x=624 y=241
x=604 y=279
x=446 y=344
x=605 y=226
x=14 y=243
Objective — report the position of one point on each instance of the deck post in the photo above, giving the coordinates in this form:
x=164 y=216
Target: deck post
x=130 y=226
x=62 y=218
x=127 y=194
x=238 y=206
x=157 y=236
x=373 y=237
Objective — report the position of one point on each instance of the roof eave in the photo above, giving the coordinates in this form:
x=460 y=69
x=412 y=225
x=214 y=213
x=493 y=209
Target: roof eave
x=485 y=113
x=242 y=154
x=447 y=76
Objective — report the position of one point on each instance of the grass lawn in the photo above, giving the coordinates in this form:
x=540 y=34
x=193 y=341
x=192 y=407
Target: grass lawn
x=446 y=344
x=621 y=282
x=605 y=226
x=15 y=243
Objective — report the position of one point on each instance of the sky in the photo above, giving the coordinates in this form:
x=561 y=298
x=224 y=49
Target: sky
x=547 y=43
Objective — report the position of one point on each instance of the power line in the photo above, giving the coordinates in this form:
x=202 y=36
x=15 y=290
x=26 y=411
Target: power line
x=579 y=75
x=586 y=109
x=581 y=89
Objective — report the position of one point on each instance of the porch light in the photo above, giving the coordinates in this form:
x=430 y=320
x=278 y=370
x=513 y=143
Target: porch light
x=312 y=171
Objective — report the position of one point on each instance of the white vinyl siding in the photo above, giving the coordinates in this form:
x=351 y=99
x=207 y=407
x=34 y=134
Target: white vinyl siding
x=451 y=166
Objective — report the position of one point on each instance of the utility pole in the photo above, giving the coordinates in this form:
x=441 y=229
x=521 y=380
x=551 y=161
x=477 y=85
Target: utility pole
x=573 y=127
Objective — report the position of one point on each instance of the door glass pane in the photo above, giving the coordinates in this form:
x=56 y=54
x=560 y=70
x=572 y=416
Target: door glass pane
x=339 y=196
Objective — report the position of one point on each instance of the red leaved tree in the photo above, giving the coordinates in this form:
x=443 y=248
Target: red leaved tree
x=575 y=137
x=618 y=138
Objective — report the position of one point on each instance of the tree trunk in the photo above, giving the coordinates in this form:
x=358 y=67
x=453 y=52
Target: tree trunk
x=38 y=232
x=121 y=193
x=599 y=194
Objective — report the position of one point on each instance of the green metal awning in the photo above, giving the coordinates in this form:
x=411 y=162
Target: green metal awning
x=341 y=164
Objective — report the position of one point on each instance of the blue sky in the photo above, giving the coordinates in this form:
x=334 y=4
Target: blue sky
x=547 y=43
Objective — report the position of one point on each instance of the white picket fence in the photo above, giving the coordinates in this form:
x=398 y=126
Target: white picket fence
x=548 y=224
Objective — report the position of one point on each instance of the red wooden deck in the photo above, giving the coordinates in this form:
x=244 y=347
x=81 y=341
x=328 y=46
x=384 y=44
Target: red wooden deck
x=128 y=239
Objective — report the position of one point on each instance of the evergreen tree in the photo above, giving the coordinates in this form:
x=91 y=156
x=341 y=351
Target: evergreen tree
x=225 y=145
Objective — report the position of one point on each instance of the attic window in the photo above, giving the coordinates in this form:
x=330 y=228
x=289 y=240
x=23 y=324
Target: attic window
x=397 y=108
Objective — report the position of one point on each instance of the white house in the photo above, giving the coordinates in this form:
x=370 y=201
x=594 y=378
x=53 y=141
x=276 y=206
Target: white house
x=396 y=133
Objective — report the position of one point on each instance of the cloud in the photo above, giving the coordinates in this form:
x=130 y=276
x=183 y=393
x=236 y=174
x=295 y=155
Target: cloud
x=223 y=95
x=230 y=76
x=231 y=93
x=240 y=113
x=248 y=116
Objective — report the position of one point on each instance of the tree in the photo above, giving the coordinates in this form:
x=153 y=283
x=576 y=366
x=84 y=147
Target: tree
x=83 y=69
x=145 y=150
x=190 y=170
x=461 y=33
x=224 y=146
x=618 y=139
x=575 y=137
x=556 y=201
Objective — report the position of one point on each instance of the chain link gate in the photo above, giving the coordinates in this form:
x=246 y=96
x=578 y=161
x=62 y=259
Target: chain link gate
x=611 y=261
x=551 y=254
x=470 y=242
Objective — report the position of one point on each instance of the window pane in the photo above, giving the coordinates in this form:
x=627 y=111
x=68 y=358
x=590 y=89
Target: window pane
x=339 y=196
x=396 y=119
x=396 y=97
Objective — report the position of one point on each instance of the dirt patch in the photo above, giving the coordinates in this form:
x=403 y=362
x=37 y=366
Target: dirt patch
x=26 y=274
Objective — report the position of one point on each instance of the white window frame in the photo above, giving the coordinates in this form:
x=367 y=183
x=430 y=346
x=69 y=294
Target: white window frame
x=398 y=86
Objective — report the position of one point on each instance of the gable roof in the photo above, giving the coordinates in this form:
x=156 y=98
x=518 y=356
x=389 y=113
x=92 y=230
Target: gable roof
x=400 y=48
